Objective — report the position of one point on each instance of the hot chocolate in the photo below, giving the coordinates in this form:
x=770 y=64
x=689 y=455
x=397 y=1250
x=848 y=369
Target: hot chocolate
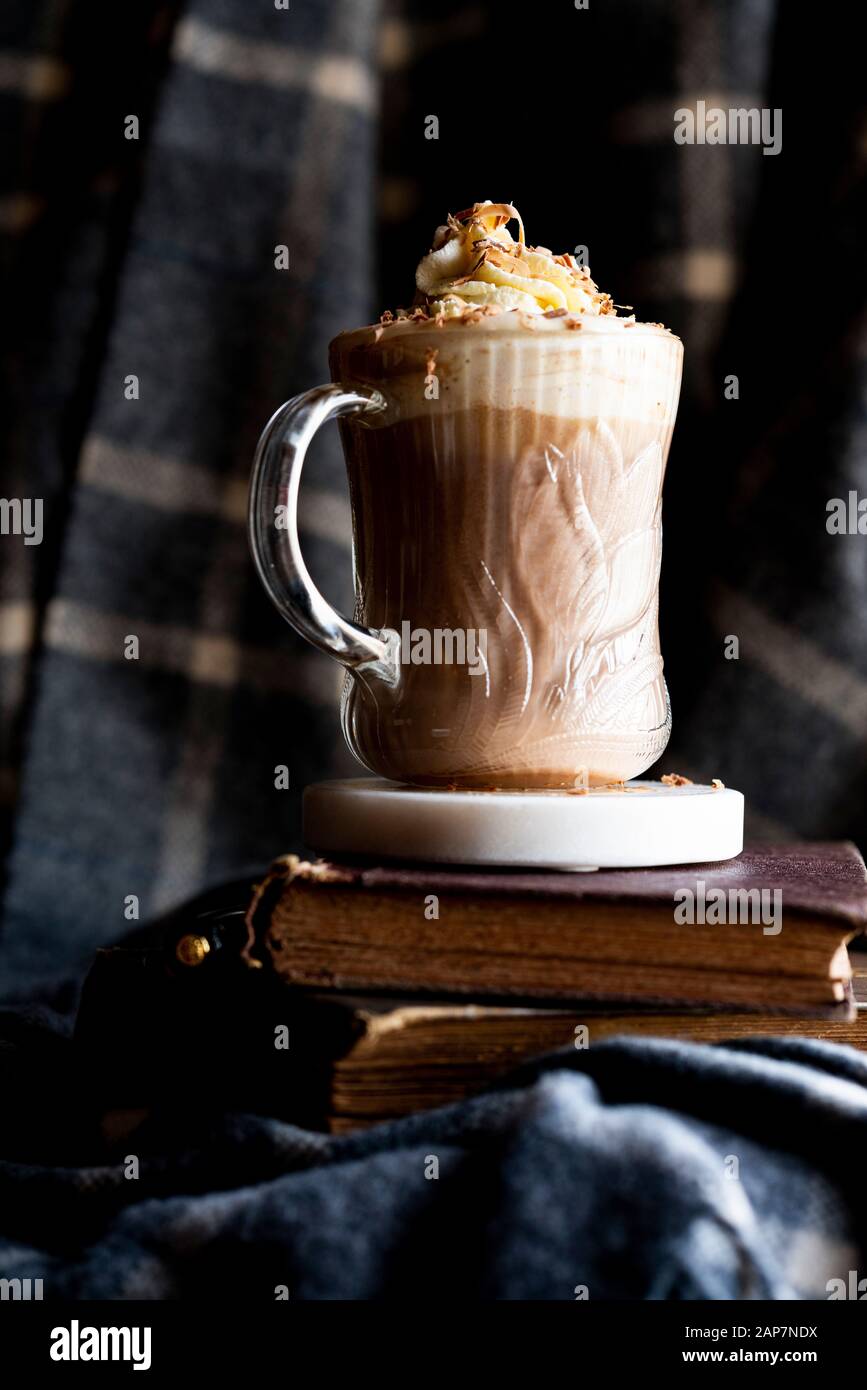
x=522 y=502
x=506 y=454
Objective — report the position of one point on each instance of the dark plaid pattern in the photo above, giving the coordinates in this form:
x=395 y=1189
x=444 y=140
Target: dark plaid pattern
x=154 y=257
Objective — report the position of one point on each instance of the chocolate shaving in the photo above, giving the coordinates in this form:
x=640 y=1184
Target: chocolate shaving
x=477 y=228
x=463 y=279
x=504 y=212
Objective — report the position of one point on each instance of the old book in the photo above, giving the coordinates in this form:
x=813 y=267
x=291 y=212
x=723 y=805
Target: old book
x=767 y=930
x=369 y=1060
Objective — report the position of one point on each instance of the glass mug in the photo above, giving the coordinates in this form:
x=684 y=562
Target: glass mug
x=505 y=483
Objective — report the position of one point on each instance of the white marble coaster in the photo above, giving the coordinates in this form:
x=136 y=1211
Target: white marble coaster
x=639 y=826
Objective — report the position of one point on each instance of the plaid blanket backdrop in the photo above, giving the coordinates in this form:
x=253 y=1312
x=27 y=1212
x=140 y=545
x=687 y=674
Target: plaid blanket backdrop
x=145 y=249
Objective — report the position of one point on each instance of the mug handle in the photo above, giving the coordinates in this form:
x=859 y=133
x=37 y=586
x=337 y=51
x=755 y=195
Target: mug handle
x=276 y=549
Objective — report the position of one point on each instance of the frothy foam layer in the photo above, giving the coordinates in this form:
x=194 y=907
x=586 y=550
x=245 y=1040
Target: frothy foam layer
x=606 y=366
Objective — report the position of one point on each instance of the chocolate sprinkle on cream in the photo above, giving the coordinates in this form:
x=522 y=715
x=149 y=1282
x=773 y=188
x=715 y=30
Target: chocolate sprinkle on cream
x=476 y=268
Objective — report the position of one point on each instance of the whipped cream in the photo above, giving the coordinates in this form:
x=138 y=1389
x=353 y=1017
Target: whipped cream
x=475 y=263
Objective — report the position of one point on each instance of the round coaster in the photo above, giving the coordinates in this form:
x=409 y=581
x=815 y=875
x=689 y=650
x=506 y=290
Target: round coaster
x=637 y=826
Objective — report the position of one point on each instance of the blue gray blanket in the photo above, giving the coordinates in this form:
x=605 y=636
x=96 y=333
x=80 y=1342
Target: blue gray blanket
x=639 y=1169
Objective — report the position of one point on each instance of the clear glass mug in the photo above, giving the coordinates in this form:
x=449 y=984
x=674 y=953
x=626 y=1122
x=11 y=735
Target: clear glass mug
x=505 y=481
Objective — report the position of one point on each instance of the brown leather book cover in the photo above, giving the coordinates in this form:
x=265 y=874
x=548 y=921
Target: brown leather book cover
x=767 y=930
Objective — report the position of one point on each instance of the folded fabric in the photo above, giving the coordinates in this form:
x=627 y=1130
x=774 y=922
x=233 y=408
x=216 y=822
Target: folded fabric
x=639 y=1169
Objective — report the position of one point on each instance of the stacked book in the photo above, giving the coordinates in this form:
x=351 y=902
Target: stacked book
x=412 y=987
